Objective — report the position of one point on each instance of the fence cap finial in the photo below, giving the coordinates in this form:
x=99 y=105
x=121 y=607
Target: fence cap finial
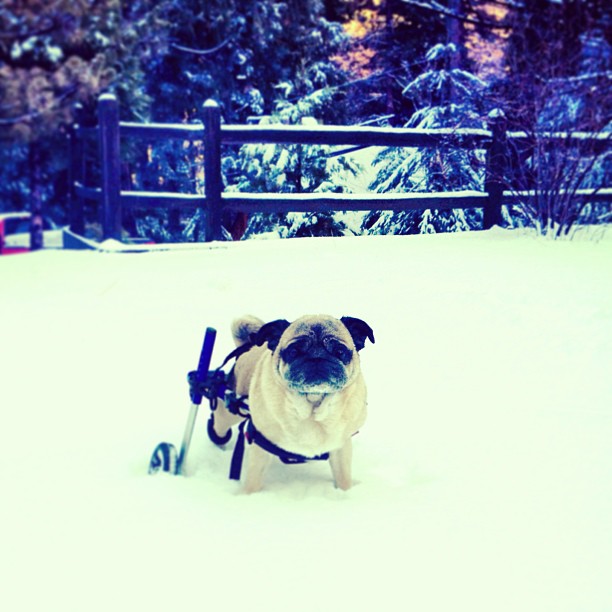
x=107 y=96
x=497 y=114
x=210 y=103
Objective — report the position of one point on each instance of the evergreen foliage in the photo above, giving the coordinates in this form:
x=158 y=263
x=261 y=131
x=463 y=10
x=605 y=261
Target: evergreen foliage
x=296 y=61
x=53 y=57
x=444 y=98
x=256 y=59
x=271 y=168
x=240 y=52
x=388 y=40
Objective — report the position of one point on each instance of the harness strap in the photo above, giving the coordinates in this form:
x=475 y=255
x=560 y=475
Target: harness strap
x=238 y=454
x=216 y=386
x=244 y=348
x=248 y=432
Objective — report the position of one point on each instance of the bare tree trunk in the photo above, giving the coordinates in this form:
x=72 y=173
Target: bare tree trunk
x=389 y=41
x=455 y=33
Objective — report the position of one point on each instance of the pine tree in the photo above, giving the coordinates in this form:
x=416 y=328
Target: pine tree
x=386 y=38
x=53 y=58
x=268 y=168
x=238 y=52
x=251 y=56
x=445 y=98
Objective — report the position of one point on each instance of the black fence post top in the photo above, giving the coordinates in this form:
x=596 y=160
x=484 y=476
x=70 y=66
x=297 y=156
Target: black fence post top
x=108 y=106
x=497 y=118
x=107 y=97
x=78 y=113
x=496 y=114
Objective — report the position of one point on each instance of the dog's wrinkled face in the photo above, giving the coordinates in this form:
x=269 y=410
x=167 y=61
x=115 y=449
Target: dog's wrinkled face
x=316 y=354
x=315 y=357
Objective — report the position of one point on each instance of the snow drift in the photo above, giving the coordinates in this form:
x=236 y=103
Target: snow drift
x=482 y=473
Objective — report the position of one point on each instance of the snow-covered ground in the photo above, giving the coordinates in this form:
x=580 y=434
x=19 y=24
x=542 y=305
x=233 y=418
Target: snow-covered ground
x=483 y=475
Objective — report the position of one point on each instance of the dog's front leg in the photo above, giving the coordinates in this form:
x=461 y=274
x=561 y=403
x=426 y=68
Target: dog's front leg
x=224 y=420
x=340 y=461
x=257 y=462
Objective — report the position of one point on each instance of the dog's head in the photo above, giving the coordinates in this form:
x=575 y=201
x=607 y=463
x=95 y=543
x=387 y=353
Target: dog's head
x=316 y=353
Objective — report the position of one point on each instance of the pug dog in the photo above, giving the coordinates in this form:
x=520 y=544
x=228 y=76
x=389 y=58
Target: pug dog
x=306 y=392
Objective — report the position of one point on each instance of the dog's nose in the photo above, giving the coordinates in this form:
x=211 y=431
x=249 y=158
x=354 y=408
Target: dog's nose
x=317 y=351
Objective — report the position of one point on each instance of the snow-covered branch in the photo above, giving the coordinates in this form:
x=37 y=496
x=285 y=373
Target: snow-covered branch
x=201 y=51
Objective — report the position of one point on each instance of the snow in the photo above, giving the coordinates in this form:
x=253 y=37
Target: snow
x=52 y=239
x=482 y=474
x=600 y=136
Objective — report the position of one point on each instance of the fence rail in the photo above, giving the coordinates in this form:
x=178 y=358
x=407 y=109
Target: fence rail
x=295 y=134
x=214 y=201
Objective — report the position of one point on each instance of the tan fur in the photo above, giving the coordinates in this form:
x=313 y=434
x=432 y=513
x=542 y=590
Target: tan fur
x=241 y=331
x=308 y=424
x=243 y=328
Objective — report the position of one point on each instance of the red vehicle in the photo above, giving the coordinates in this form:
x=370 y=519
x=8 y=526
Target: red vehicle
x=15 y=233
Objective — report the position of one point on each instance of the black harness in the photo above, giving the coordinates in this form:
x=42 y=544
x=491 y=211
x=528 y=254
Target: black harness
x=252 y=435
x=219 y=385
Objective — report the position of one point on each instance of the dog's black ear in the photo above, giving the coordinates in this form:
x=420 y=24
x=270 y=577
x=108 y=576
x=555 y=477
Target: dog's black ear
x=359 y=331
x=270 y=333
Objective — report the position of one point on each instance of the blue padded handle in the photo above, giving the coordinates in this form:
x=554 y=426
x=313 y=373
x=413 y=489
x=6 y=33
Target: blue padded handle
x=206 y=352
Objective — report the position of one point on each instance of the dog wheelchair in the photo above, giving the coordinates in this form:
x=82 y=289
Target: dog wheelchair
x=215 y=385
x=203 y=382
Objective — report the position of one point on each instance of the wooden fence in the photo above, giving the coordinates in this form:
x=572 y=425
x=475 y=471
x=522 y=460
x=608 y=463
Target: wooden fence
x=214 y=201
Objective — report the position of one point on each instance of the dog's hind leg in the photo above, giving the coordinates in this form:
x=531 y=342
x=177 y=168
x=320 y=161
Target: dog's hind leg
x=340 y=461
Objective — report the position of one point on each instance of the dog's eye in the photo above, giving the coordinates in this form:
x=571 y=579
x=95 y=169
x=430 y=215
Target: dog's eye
x=290 y=353
x=337 y=349
x=295 y=349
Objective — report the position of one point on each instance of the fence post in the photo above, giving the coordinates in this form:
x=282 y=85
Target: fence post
x=213 y=183
x=77 y=173
x=36 y=223
x=108 y=126
x=495 y=169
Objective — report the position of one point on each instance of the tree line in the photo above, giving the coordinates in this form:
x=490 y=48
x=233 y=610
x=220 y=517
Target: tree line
x=436 y=63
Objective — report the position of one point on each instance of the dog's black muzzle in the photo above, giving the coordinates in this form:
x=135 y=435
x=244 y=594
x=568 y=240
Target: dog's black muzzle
x=308 y=373
x=316 y=364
